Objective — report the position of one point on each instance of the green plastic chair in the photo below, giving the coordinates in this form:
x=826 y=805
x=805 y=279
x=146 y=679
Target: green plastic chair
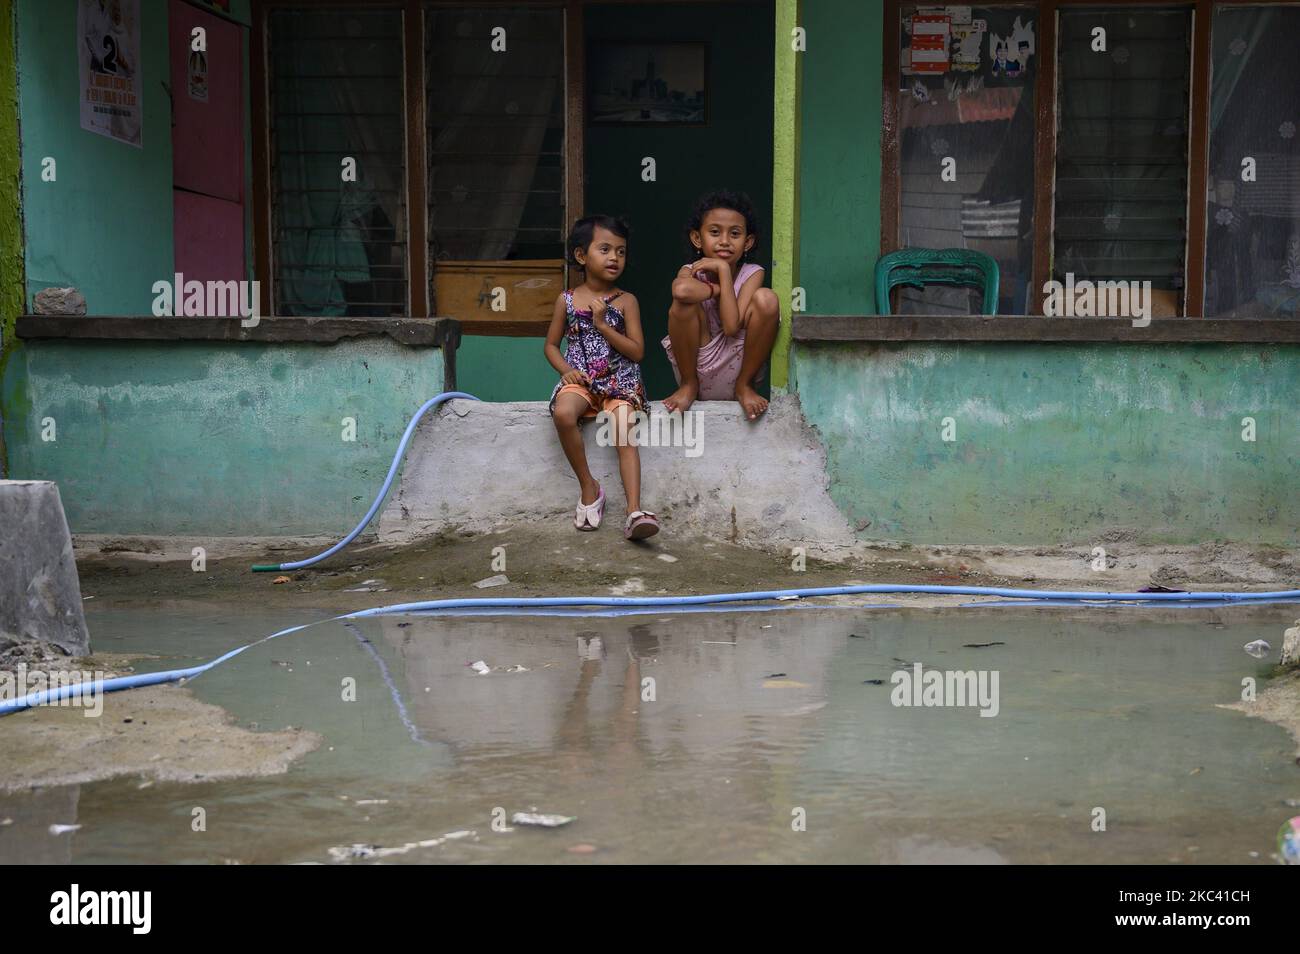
x=937 y=266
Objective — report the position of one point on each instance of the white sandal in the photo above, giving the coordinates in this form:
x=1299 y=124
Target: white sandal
x=640 y=524
x=587 y=516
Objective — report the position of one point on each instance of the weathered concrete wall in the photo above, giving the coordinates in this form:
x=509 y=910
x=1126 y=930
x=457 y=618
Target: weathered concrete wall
x=40 y=596
x=1059 y=443
x=478 y=466
x=186 y=437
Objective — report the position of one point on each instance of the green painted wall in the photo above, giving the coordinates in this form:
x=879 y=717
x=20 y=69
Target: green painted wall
x=1058 y=443
x=839 y=155
x=105 y=224
x=734 y=149
x=496 y=368
x=184 y=437
x=11 y=221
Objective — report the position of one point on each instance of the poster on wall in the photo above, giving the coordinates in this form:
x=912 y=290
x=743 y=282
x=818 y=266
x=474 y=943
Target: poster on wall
x=108 y=51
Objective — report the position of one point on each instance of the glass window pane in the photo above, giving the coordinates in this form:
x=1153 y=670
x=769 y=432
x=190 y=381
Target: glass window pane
x=1253 y=226
x=1121 y=148
x=496 y=133
x=966 y=94
x=336 y=87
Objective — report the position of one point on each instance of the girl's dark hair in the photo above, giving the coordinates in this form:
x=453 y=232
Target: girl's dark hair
x=721 y=199
x=584 y=232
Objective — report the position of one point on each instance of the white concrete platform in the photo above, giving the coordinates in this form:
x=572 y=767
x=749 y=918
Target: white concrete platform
x=481 y=466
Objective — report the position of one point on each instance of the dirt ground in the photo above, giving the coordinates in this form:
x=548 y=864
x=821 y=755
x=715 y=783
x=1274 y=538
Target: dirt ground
x=555 y=560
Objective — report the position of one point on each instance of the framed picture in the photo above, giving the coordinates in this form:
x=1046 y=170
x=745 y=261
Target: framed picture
x=636 y=82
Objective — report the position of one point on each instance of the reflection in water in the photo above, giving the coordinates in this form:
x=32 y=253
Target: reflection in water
x=706 y=736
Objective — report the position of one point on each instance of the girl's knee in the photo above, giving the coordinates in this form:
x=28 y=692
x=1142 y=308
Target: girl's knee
x=564 y=416
x=765 y=304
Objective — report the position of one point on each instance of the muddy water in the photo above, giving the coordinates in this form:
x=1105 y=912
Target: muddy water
x=750 y=723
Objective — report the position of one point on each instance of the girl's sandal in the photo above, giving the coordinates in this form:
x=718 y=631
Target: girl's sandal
x=640 y=524
x=587 y=516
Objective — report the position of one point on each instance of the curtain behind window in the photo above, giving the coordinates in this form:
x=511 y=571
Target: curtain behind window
x=336 y=92
x=1253 y=238
x=496 y=133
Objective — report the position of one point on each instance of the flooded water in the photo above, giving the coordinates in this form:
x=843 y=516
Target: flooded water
x=709 y=737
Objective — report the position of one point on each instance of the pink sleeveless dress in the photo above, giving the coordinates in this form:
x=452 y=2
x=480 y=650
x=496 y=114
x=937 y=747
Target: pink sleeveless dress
x=718 y=362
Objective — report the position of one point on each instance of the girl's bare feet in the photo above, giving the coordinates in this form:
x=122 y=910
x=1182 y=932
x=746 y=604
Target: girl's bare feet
x=753 y=403
x=683 y=397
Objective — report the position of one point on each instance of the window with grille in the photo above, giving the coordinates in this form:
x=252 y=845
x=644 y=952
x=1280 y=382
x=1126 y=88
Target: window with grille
x=495 y=133
x=336 y=137
x=495 y=93
x=1121 y=147
x=966 y=144
x=1253 y=215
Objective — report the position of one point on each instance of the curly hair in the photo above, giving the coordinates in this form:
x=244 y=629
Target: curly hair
x=583 y=233
x=721 y=199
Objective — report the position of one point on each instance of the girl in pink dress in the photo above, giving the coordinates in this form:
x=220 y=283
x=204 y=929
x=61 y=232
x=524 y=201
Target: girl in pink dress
x=723 y=322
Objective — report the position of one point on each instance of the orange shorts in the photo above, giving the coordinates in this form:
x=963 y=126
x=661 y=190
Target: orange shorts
x=595 y=403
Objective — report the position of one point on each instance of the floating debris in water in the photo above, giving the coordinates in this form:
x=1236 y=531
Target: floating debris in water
x=499 y=580
x=542 y=821
x=581 y=849
x=981 y=645
x=281 y=579
x=667 y=558
x=61 y=829
x=790 y=597
x=784 y=684
x=775 y=675
x=371 y=801
x=480 y=667
x=517 y=668
x=873 y=682
x=1257 y=648
x=350 y=852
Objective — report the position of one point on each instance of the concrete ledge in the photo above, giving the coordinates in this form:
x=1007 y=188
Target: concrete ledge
x=413 y=332
x=40 y=595
x=480 y=466
x=1033 y=328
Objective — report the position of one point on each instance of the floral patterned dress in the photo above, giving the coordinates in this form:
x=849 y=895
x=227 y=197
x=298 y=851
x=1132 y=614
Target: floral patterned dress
x=612 y=375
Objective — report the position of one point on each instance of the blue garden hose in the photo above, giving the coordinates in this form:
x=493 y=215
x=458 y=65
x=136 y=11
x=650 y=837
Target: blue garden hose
x=632 y=604
x=383 y=491
x=628 y=604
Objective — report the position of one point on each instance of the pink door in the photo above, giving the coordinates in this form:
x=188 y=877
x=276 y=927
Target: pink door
x=207 y=146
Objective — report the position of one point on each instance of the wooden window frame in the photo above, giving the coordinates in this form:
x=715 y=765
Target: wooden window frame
x=1198 y=135
x=419 y=267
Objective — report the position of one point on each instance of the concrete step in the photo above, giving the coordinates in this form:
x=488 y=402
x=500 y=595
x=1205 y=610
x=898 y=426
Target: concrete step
x=481 y=466
x=40 y=595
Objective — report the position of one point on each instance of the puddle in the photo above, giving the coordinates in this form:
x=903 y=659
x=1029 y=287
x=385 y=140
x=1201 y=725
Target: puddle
x=752 y=721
